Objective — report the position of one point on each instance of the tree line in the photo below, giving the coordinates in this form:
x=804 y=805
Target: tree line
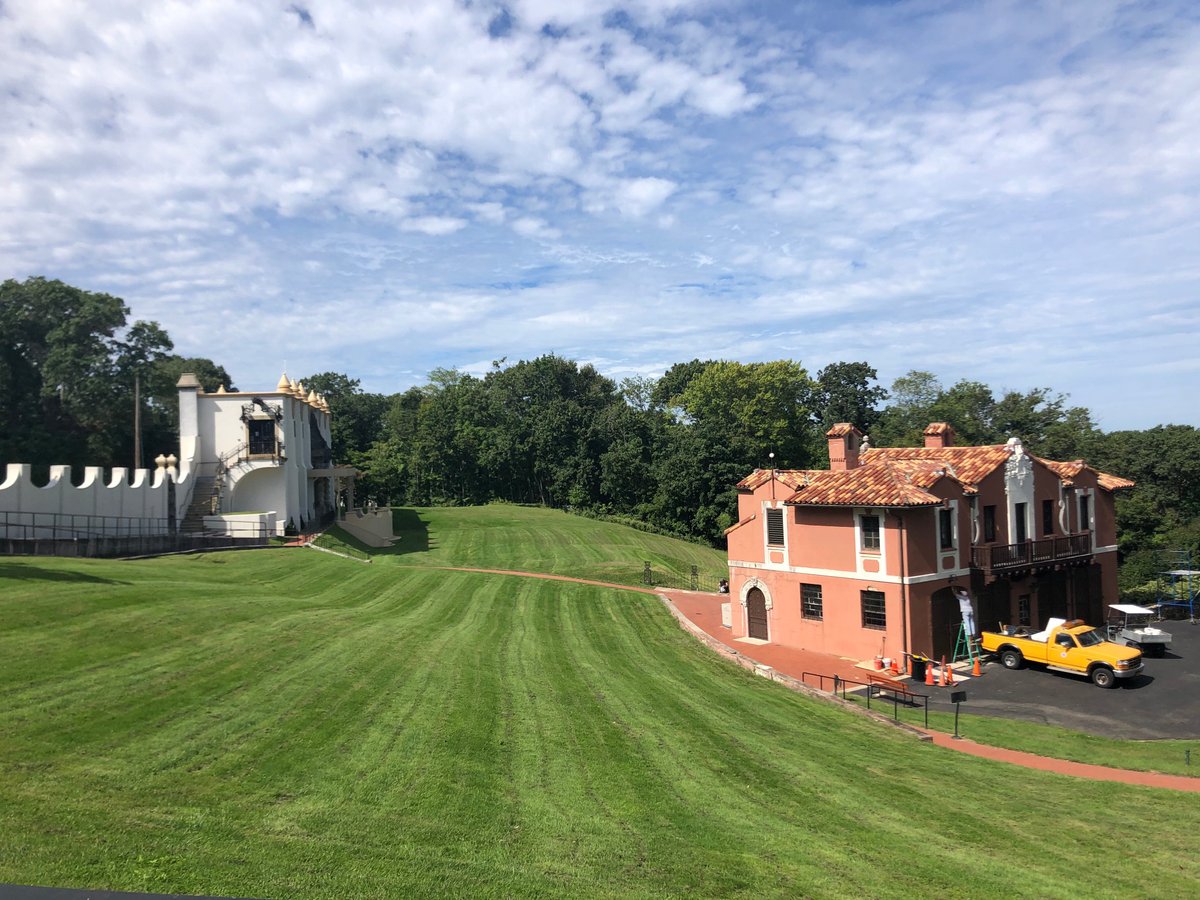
x=662 y=453
x=70 y=366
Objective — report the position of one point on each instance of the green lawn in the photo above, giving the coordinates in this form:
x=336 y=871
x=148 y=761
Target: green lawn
x=1167 y=756
x=503 y=536
x=289 y=723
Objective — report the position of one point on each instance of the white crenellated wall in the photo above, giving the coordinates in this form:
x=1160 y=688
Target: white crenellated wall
x=211 y=431
x=118 y=505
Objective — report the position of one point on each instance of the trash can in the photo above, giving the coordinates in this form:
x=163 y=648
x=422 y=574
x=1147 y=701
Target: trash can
x=917 y=667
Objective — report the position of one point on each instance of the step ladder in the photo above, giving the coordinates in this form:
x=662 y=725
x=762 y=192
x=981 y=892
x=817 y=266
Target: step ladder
x=966 y=647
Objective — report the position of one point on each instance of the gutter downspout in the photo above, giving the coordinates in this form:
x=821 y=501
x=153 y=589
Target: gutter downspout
x=905 y=612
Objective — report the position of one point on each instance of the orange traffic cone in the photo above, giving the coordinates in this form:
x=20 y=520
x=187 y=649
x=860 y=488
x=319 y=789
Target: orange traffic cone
x=975 y=670
x=949 y=676
x=895 y=669
x=942 y=683
x=929 y=674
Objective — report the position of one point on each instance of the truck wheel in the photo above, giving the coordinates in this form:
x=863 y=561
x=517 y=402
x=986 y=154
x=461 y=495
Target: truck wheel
x=1102 y=676
x=1011 y=659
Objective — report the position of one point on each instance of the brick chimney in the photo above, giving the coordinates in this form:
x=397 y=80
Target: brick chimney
x=844 y=441
x=938 y=435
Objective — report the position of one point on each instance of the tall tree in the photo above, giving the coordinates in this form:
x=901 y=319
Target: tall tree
x=755 y=409
x=357 y=415
x=66 y=365
x=848 y=392
x=904 y=419
x=160 y=427
x=970 y=407
x=675 y=381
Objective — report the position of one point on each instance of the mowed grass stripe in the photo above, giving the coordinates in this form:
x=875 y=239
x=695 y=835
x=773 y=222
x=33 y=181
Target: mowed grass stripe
x=378 y=731
x=550 y=541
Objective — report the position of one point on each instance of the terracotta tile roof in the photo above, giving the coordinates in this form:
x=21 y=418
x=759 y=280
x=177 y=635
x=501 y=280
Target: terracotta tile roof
x=885 y=483
x=901 y=476
x=745 y=521
x=841 y=429
x=1112 y=482
x=790 y=478
x=970 y=465
x=1069 y=471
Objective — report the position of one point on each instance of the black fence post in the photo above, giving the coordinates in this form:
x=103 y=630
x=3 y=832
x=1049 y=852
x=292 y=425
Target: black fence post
x=695 y=577
x=647 y=575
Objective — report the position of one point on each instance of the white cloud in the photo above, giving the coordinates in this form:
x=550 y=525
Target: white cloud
x=433 y=225
x=533 y=227
x=639 y=196
x=630 y=184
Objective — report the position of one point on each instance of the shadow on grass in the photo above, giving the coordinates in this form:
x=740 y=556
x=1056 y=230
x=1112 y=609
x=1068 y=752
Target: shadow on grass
x=411 y=531
x=19 y=572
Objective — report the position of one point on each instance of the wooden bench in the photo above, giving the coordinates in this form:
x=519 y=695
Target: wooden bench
x=898 y=689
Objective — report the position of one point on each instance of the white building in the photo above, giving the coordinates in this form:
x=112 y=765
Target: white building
x=255 y=453
x=250 y=464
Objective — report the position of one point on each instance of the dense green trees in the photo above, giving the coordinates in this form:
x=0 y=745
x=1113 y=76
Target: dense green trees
x=68 y=367
x=666 y=451
x=1042 y=419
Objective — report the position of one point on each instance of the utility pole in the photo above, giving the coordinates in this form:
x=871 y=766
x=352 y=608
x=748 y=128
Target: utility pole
x=137 y=420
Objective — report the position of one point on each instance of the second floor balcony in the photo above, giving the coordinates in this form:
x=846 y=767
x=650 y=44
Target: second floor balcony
x=1000 y=558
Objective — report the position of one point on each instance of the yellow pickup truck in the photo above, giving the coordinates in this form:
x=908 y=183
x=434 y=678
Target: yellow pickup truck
x=1065 y=646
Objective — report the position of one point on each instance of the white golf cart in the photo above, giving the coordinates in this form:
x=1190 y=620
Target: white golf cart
x=1130 y=625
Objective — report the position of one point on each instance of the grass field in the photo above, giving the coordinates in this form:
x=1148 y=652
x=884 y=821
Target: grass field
x=531 y=539
x=287 y=723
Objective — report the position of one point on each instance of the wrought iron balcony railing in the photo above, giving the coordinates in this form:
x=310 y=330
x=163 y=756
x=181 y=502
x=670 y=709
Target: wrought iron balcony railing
x=1003 y=557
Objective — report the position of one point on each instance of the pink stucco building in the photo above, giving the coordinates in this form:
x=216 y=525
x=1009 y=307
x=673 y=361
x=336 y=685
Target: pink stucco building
x=864 y=558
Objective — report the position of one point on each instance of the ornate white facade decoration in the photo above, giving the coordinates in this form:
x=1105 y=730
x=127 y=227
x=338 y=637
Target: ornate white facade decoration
x=1019 y=466
x=1018 y=485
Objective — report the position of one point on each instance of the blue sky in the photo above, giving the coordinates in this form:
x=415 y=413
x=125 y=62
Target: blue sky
x=1005 y=191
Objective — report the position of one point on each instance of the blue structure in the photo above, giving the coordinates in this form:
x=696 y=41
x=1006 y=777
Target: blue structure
x=1178 y=585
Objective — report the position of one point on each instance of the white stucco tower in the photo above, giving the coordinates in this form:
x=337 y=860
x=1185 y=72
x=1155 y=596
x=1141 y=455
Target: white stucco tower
x=257 y=452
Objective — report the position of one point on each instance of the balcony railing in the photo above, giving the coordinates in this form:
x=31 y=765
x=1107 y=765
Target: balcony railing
x=1002 y=557
x=264 y=446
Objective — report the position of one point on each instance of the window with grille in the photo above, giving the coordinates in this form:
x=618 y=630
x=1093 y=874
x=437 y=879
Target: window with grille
x=1085 y=513
x=260 y=436
x=869 y=525
x=1047 y=518
x=874 y=610
x=775 y=527
x=989 y=524
x=810 y=602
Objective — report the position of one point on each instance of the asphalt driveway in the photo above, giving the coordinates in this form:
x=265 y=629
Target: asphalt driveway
x=1162 y=702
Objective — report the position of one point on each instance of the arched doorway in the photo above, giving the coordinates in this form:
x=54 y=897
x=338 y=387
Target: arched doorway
x=756 y=614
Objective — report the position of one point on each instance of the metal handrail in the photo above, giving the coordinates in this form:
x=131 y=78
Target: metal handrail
x=839 y=682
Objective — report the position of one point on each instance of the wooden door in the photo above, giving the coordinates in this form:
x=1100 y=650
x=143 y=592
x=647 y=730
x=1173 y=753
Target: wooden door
x=756 y=614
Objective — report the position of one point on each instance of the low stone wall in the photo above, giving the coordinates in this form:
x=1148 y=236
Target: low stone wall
x=117 y=548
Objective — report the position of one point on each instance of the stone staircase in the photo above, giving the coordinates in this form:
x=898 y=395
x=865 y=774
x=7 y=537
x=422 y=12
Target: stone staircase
x=204 y=494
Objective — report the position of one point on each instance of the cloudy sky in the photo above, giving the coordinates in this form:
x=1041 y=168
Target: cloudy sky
x=1001 y=190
